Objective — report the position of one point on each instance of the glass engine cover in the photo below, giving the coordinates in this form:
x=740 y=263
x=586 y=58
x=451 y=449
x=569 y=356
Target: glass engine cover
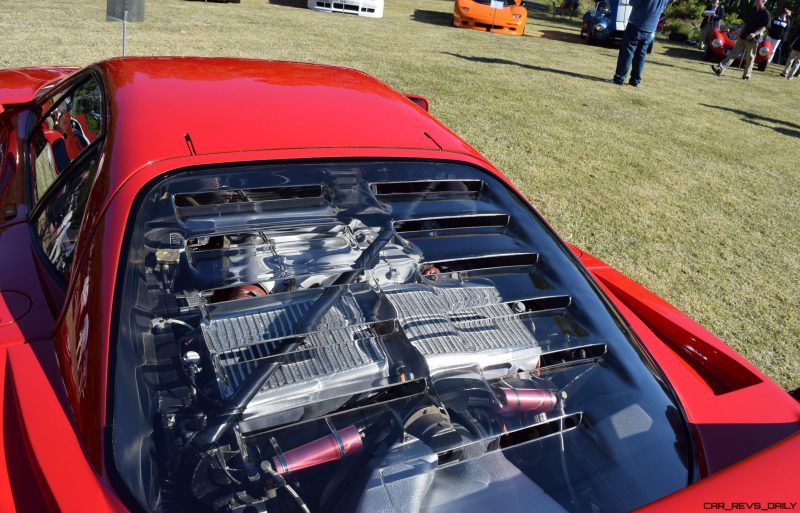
x=374 y=337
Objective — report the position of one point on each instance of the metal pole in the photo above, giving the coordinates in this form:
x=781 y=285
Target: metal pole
x=124 y=32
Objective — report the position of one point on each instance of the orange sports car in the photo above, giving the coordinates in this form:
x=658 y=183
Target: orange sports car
x=501 y=16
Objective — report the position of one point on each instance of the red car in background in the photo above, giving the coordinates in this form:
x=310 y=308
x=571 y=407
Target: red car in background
x=264 y=286
x=722 y=40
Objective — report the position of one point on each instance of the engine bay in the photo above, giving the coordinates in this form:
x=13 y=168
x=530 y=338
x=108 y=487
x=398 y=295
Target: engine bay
x=333 y=339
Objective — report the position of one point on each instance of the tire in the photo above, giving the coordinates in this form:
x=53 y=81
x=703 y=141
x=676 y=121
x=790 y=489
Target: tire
x=707 y=55
x=762 y=66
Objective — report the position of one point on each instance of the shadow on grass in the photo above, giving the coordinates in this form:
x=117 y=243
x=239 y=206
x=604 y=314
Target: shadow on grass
x=684 y=53
x=493 y=60
x=788 y=128
x=290 y=3
x=541 y=7
x=704 y=71
x=433 y=17
x=557 y=23
x=558 y=35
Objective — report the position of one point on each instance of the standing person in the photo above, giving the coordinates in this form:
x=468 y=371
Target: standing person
x=793 y=63
x=711 y=18
x=777 y=31
x=638 y=36
x=757 y=22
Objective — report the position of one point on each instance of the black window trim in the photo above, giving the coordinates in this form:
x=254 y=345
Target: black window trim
x=71 y=83
x=60 y=279
x=94 y=149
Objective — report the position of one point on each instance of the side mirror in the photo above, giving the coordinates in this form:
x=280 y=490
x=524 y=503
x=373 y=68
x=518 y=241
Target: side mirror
x=421 y=101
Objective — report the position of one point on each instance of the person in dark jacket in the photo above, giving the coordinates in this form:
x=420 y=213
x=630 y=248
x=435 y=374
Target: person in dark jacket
x=638 y=36
x=778 y=30
x=793 y=63
x=711 y=18
x=747 y=43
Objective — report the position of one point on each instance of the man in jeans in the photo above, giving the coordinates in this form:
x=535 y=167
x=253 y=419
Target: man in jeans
x=639 y=34
x=756 y=23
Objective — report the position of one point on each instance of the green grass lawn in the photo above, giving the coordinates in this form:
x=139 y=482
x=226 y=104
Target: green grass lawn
x=689 y=184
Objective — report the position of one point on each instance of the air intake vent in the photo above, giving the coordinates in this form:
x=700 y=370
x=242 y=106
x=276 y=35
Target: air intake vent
x=547 y=303
x=427 y=190
x=483 y=263
x=438 y=224
x=572 y=356
x=250 y=200
x=538 y=431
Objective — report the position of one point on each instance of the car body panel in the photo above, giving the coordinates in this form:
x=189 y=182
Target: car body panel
x=23 y=290
x=20 y=85
x=366 y=8
x=46 y=435
x=13 y=206
x=141 y=91
x=509 y=20
x=606 y=22
x=55 y=373
x=712 y=381
x=742 y=486
x=601 y=23
x=721 y=41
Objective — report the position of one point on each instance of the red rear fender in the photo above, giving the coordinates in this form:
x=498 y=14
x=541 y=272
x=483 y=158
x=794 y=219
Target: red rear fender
x=734 y=410
x=45 y=467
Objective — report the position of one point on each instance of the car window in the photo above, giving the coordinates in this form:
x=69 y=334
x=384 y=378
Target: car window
x=58 y=222
x=506 y=3
x=73 y=121
x=412 y=328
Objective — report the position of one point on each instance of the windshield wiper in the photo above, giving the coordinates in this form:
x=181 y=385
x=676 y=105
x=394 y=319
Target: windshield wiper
x=221 y=420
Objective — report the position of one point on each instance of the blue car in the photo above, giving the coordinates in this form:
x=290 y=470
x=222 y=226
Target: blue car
x=606 y=22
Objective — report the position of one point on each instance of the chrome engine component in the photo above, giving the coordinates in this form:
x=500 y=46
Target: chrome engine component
x=463 y=323
x=451 y=325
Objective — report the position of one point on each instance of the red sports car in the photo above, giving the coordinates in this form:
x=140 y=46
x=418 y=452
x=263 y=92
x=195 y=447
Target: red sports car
x=721 y=41
x=280 y=287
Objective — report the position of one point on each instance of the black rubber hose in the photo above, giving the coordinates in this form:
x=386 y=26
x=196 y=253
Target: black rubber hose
x=223 y=418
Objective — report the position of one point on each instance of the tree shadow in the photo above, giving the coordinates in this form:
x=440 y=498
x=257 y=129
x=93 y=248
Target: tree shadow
x=493 y=60
x=684 y=53
x=559 y=35
x=693 y=70
x=787 y=128
x=290 y=3
x=433 y=17
x=541 y=7
x=557 y=23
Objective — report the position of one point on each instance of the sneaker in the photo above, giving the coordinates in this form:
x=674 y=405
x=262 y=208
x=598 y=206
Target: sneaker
x=614 y=82
x=633 y=84
x=716 y=69
x=746 y=77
